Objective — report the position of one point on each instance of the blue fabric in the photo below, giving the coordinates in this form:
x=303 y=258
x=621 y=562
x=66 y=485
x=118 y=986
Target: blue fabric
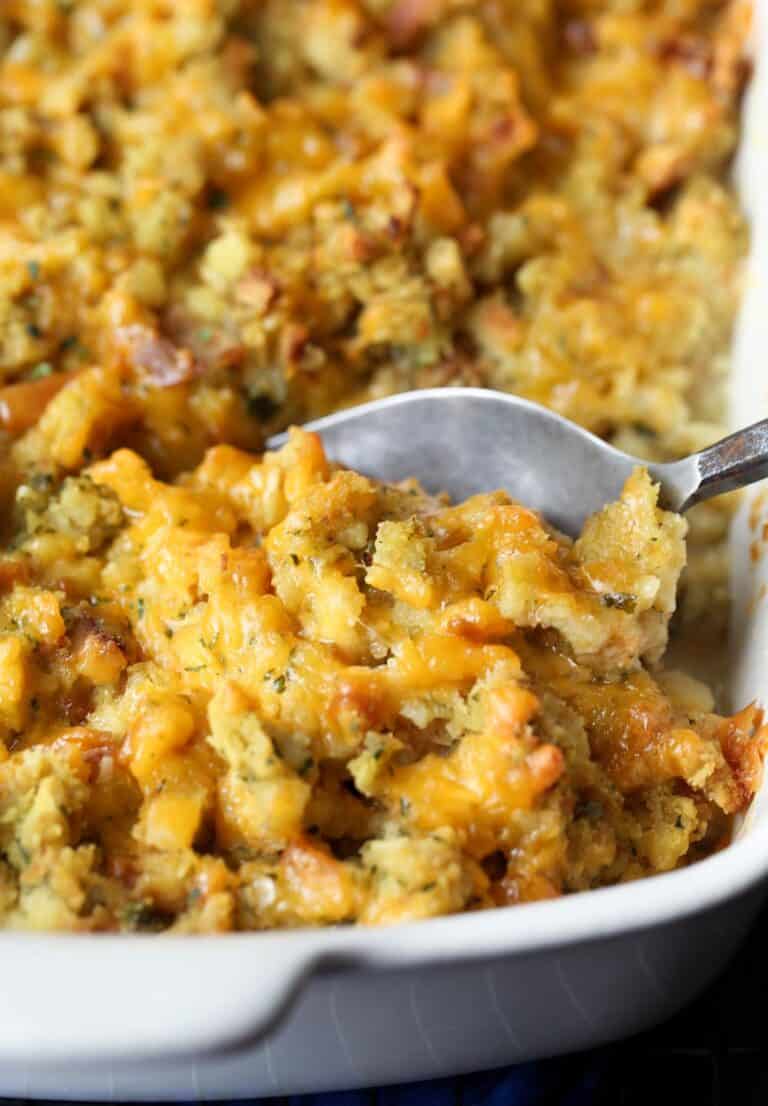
x=570 y=1081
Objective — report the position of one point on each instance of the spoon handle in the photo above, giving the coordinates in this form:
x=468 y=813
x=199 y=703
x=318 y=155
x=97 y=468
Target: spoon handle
x=734 y=462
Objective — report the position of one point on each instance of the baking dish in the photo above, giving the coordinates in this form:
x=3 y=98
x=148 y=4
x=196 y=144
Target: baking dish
x=246 y=1015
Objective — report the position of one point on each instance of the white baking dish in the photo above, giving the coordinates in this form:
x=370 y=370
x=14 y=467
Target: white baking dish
x=151 y=1018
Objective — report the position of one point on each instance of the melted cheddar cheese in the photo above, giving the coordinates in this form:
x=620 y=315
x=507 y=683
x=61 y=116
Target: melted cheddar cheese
x=240 y=692
x=277 y=693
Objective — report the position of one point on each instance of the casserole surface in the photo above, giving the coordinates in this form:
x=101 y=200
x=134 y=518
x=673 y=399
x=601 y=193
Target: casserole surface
x=295 y=696
x=411 y=193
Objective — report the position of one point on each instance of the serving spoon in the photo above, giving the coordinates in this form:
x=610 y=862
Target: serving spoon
x=468 y=440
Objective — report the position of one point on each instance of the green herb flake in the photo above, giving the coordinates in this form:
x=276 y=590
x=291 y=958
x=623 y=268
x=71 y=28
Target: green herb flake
x=44 y=368
x=620 y=601
x=142 y=916
x=33 y=268
x=218 y=199
x=590 y=808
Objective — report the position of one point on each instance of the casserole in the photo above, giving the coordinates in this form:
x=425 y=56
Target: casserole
x=166 y=1019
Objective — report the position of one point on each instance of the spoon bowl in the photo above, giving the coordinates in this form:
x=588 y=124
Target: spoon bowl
x=468 y=440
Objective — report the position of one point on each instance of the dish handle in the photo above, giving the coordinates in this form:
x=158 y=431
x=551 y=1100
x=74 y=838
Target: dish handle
x=107 y=999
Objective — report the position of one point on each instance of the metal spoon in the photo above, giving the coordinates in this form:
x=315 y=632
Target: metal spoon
x=468 y=440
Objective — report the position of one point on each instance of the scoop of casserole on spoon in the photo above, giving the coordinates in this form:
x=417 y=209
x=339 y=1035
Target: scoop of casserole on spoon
x=468 y=440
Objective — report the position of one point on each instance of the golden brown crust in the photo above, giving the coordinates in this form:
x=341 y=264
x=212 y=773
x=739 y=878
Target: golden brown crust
x=266 y=693
x=274 y=693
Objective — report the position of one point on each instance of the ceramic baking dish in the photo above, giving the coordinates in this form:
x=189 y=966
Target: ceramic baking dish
x=246 y=1015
